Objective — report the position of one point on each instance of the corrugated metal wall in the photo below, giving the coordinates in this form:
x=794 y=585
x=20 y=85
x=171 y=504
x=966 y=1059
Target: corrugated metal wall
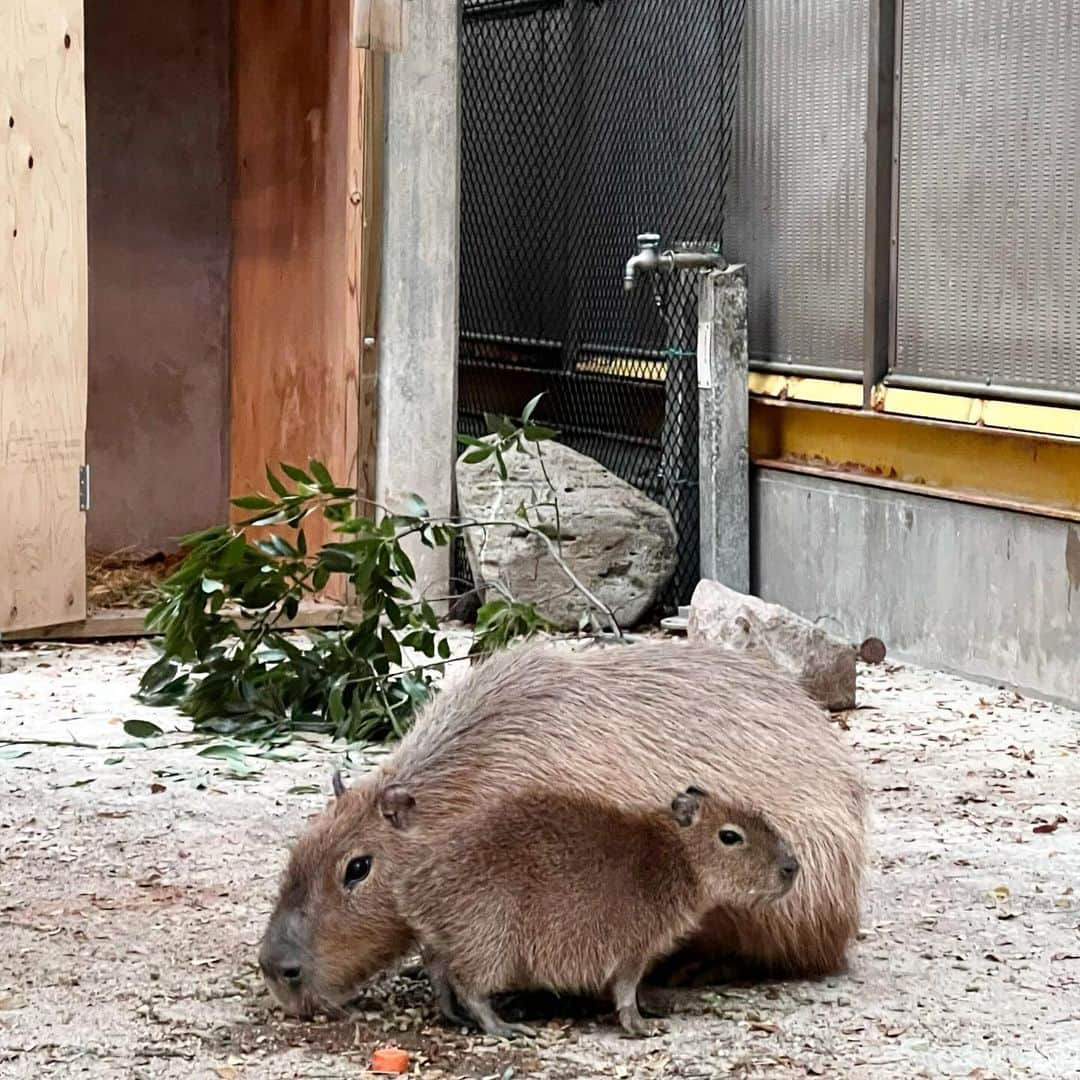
x=988 y=224
x=797 y=198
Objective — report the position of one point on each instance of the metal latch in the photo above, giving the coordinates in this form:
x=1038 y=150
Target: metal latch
x=84 y=487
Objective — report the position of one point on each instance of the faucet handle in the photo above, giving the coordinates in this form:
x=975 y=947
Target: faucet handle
x=647 y=240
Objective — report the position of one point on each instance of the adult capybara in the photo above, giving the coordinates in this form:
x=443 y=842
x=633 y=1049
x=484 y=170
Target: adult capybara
x=565 y=893
x=628 y=722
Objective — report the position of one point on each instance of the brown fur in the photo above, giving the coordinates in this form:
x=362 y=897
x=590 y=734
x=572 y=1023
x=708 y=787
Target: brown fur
x=540 y=891
x=629 y=722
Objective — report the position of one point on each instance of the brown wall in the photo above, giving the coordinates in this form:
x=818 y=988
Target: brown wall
x=158 y=164
x=295 y=315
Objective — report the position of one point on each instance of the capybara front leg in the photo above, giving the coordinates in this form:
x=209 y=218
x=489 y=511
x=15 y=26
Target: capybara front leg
x=444 y=993
x=624 y=988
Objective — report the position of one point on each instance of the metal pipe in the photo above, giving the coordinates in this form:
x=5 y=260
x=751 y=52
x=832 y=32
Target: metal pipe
x=804 y=371
x=1068 y=398
x=649 y=258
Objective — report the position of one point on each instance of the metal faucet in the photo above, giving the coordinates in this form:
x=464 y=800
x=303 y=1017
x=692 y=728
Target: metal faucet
x=650 y=258
x=646 y=260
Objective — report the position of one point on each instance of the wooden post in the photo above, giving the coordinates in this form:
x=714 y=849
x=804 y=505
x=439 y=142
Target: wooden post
x=379 y=25
x=364 y=236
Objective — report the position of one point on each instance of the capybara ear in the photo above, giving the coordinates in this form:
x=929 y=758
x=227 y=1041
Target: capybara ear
x=396 y=805
x=339 y=784
x=686 y=806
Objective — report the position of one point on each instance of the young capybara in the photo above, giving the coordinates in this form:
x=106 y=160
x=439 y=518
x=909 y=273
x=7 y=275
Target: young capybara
x=631 y=722
x=556 y=892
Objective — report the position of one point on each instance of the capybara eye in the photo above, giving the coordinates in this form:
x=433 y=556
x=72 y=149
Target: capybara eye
x=357 y=870
x=729 y=837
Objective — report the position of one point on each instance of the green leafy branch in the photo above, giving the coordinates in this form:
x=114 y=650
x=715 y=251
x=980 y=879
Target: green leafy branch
x=230 y=663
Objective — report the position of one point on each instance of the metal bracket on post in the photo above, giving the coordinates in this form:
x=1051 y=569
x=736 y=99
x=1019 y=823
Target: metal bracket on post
x=724 y=427
x=84 y=487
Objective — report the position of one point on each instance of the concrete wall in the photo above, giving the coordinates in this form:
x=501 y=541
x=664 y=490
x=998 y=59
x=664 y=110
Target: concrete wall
x=418 y=306
x=989 y=593
x=157 y=104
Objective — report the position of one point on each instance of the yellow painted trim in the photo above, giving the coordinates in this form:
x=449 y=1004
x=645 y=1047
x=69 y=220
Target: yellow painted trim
x=1055 y=420
x=624 y=367
x=815 y=391
x=954 y=460
x=1058 y=421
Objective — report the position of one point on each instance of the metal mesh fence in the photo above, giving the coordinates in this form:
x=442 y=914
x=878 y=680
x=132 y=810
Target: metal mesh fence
x=584 y=123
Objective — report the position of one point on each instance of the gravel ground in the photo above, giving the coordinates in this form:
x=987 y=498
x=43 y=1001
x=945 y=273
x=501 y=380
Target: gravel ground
x=135 y=880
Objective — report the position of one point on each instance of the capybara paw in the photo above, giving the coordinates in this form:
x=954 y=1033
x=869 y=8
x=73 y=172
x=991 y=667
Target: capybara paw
x=503 y=1030
x=638 y=1028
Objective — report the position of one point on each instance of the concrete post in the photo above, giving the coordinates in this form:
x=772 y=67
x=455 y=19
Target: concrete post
x=724 y=414
x=418 y=304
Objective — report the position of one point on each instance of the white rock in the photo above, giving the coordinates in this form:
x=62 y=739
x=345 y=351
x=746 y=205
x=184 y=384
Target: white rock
x=823 y=664
x=618 y=542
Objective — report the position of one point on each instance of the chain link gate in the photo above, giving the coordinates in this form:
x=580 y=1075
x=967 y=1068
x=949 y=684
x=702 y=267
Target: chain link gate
x=585 y=123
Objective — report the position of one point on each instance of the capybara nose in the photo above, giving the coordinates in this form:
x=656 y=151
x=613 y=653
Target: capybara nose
x=789 y=868
x=280 y=963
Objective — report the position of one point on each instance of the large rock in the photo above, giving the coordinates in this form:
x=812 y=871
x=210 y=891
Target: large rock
x=823 y=664
x=619 y=543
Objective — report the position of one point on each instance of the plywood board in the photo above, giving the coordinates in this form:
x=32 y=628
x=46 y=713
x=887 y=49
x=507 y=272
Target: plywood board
x=43 y=312
x=294 y=337
x=131 y=622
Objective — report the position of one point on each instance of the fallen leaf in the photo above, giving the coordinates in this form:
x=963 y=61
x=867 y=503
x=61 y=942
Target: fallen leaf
x=768 y=1029
x=141 y=729
x=156 y=789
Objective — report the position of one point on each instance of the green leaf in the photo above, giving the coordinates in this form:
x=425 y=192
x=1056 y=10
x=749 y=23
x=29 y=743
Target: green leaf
x=141 y=729
x=113 y=760
x=253 y=502
x=539 y=433
x=530 y=408
x=336 y=560
x=321 y=473
x=499 y=425
x=209 y=585
x=416 y=506
x=293 y=473
x=221 y=752
x=335 y=705
x=276 y=485
x=305 y=789
x=474 y=457
x=391 y=646
x=11 y=753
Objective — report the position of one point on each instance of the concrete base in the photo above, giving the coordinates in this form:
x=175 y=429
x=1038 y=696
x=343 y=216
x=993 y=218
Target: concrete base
x=724 y=428
x=988 y=593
